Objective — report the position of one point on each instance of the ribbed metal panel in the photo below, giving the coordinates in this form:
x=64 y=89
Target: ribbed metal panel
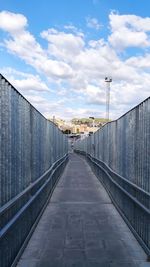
x=121 y=149
x=33 y=153
x=29 y=143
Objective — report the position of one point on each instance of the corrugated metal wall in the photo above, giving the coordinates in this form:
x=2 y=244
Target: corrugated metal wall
x=29 y=143
x=124 y=145
x=33 y=153
x=119 y=154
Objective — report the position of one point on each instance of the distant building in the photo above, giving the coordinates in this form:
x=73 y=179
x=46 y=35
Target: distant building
x=78 y=126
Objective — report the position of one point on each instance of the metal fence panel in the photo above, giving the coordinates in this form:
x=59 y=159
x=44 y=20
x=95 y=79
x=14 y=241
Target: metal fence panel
x=122 y=152
x=33 y=152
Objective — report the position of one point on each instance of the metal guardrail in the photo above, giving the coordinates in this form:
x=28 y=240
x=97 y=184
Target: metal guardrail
x=33 y=153
x=16 y=231
x=29 y=143
x=132 y=202
x=119 y=156
x=124 y=145
x=128 y=198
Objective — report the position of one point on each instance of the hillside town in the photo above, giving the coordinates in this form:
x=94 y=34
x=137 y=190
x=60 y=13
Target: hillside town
x=79 y=126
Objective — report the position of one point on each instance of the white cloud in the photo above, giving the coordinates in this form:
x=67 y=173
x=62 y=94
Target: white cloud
x=139 y=62
x=44 y=105
x=93 y=23
x=59 y=108
x=95 y=95
x=78 y=67
x=63 y=46
x=23 y=44
x=69 y=112
x=72 y=29
x=30 y=84
x=129 y=31
x=25 y=82
x=12 y=22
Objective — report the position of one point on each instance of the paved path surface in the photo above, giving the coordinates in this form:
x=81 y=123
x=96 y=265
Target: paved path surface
x=81 y=228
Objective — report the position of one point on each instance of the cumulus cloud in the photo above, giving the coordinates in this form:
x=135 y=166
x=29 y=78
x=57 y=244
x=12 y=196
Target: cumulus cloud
x=129 y=31
x=59 y=108
x=23 y=44
x=78 y=66
x=25 y=82
x=63 y=45
x=95 y=95
x=11 y=22
x=30 y=84
x=93 y=23
x=139 y=62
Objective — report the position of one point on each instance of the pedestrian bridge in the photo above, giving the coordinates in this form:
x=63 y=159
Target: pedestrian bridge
x=88 y=208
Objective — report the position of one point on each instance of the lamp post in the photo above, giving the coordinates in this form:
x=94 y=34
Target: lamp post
x=93 y=121
x=54 y=119
x=108 y=80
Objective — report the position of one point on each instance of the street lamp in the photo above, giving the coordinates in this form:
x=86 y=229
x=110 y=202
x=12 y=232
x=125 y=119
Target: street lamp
x=108 y=80
x=54 y=119
x=93 y=121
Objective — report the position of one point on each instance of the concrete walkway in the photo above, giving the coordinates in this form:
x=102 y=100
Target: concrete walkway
x=81 y=228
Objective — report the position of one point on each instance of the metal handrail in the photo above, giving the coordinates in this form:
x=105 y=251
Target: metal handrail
x=139 y=209
x=13 y=201
x=121 y=177
x=6 y=228
x=122 y=189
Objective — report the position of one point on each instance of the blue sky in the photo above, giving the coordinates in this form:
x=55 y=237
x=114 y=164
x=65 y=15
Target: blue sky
x=57 y=54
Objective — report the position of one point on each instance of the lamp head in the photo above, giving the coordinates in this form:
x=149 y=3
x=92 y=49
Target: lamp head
x=108 y=79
